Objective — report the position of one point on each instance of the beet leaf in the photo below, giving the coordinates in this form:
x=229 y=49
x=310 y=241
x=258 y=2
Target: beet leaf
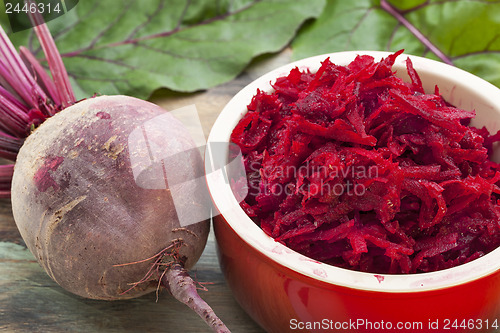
x=140 y=45
x=463 y=33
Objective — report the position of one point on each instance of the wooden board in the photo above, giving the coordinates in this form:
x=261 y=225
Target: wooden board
x=31 y=302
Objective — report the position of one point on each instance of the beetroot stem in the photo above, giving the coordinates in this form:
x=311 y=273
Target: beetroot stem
x=177 y=280
x=6 y=172
x=56 y=65
x=13 y=120
x=16 y=74
x=9 y=146
x=12 y=98
x=28 y=95
x=40 y=74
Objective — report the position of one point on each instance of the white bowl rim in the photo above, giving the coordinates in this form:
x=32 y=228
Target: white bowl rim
x=227 y=205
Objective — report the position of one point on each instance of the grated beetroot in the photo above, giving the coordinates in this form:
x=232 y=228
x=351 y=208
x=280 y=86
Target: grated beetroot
x=356 y=168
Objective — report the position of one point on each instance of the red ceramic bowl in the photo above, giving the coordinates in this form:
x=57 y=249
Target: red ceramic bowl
x=285 y=291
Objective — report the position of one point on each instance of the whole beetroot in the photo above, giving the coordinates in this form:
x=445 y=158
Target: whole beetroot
x=80 y=210
x=90 y=195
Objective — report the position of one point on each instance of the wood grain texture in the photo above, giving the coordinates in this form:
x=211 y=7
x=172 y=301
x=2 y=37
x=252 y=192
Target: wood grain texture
x=31 y=302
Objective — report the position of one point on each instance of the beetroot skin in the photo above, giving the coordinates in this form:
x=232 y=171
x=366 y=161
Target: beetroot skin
x=80 y=211
x=356 y=168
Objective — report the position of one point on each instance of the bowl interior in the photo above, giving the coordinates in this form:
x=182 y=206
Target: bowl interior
x=458 y=87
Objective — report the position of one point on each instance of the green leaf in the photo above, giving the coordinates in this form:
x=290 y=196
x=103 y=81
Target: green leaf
x=466 y=32
x=136 y=46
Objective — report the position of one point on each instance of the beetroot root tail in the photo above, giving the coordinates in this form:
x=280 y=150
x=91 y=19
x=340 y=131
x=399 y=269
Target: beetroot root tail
x=177 y=280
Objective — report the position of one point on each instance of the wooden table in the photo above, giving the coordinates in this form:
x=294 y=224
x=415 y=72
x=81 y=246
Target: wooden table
x=31 y=302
